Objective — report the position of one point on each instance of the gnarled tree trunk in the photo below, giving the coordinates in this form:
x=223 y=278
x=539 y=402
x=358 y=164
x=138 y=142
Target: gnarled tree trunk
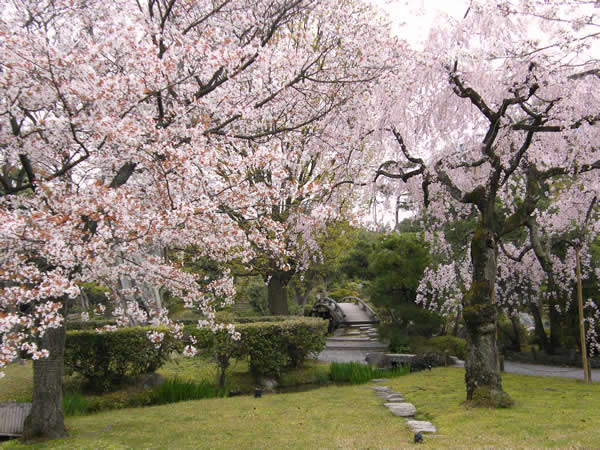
x=484 y=386
x=46 y=420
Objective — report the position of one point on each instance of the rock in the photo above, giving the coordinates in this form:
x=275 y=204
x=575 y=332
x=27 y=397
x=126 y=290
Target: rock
x=379 y=380
x=377 y=359
x=150 y=380
x=402 y=409
x=269 y=385
x=394 y=397
x=381 y=388
x=419 y=426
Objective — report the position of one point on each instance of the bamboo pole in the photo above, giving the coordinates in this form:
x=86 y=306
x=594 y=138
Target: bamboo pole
x=586 y=375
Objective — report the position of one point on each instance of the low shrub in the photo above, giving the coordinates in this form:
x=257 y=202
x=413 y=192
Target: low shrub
x=427 y=360
x=357 y=373
x=73 y=325
x=453 y=345
x=109 y=358
x=270 y=346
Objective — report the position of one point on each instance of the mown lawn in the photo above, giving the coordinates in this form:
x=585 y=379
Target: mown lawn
x=547 y=413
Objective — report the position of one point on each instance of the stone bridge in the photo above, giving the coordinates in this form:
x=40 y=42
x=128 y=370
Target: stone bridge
x=350 y=311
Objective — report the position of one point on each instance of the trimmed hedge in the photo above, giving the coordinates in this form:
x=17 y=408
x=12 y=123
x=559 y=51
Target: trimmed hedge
x=107 y=359
x=89 y=324
x=270 y=347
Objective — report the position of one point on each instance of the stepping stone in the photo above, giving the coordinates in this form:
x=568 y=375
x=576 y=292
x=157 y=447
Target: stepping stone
x=419 y=426
x=394 y=397
x=381 y=388
x=385 y=393
x=402 y=409
x=378 y=380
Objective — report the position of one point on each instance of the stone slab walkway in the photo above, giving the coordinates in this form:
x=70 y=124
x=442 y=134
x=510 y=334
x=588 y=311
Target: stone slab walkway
x=394 y=401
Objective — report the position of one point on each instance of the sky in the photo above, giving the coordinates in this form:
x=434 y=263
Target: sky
x=412 y=19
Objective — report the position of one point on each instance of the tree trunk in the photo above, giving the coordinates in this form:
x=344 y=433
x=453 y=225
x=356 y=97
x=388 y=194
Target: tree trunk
x=516 y=339
x=540 y=333
x=555 y=325
x=482 y=377
x=277 y=294
x=457 y=323
x=46 y=420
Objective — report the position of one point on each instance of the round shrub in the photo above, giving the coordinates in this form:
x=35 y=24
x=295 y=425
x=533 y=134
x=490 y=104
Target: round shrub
x=106 y=359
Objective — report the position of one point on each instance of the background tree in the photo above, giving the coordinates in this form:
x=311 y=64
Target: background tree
x=127 y=126
x=499 y=114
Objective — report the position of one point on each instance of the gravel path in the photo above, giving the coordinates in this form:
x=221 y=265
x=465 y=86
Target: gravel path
x=548 y=371
x=510 y=367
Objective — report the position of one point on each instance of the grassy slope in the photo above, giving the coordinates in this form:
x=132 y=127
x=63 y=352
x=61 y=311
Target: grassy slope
x=548 y=413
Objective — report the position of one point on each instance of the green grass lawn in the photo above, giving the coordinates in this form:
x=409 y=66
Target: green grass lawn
x=547 y=413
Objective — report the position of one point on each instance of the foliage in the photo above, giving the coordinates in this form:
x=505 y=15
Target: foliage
x=506 y=335
x=73 y=325
x=107 y=359
x=453 y=345
x=253 y=290
x=177 y=390
x=75 y=404
x=396 y=266
x=270 y=346
x=428 y=360
x=358 y=373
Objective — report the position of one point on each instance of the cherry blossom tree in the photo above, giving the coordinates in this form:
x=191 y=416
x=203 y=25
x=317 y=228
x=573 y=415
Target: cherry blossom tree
x=128 y=126
x=505 y=102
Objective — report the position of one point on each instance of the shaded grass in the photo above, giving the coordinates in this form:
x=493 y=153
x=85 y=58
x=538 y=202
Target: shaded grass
x=547 y=413
x=17 y=384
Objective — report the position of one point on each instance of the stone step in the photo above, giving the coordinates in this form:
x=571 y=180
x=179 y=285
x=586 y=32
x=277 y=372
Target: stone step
x=381 y=388
x=402 y=409
x=419 y=426
x=394 y=397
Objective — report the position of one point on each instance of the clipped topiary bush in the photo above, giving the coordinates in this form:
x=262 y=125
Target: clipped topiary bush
x=106 y=359
x=270 y=346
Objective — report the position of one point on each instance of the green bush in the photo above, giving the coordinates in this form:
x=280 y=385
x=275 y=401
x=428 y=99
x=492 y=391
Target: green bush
x=453 y=345
x=270 y=346
x=109 y=358
x=73 y=325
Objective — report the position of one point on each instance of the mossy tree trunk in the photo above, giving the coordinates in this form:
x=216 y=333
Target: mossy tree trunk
x=277 y=294
x=484 y=386
x=46 y=420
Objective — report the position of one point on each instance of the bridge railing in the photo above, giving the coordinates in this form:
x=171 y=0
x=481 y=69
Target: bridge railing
x=363 y=305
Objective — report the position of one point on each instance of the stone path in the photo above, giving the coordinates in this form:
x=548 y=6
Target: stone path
x=394 y=401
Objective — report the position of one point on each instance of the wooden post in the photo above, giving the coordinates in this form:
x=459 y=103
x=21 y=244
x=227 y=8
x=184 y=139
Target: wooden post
x=586 y=375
